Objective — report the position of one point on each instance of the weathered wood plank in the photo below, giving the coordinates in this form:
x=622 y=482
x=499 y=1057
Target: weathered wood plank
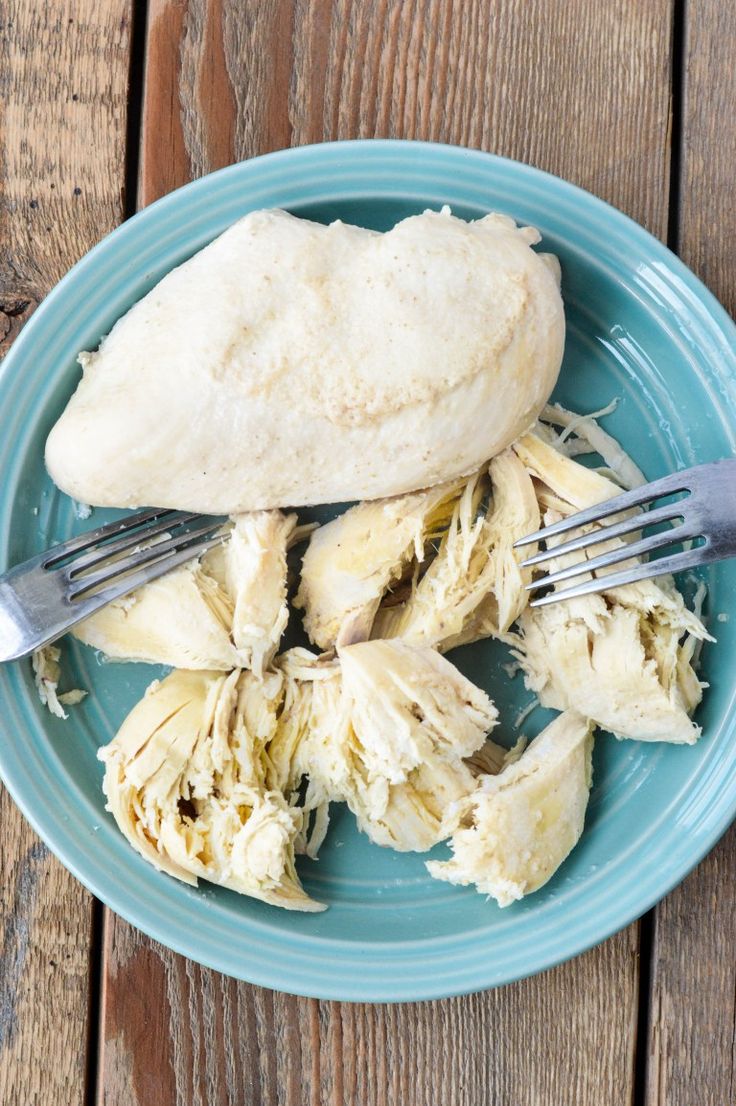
x=581 y=90
x=177 y=1033
x=63 y=85
x=693 y=1002
x=559 y=84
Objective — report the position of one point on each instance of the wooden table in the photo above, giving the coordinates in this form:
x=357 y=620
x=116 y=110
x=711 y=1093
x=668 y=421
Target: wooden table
x=108 y=104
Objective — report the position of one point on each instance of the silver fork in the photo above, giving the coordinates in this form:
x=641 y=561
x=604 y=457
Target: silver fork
x=44 y=597
x=707 y=511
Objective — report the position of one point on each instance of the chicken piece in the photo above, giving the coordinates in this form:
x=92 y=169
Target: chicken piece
x=227 y=610
x=621 y=658
x=311 y=712
x=46 y=674
x=182 y=619
x=385 y=729
x=252 y=569
x=573 y=484
x=285 y=765
x=388 y=734
x=185 y=781
x=304 y=738
x=409 y=816
x=491 y=758
x=408 y=704
x=290 y=362
x=474 y=587
x=581 y=434
x=617 y=665
x=516 y=828
x=351 y=562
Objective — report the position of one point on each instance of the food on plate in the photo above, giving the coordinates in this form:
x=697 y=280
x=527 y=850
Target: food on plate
x=311 y=713
x=385 y=728
x=226 y=775
x=227 y=770
x=474 y=587
x=580 y=434
x=290 y=363
x=625 y=667
x=511 y=833
x=226 y=610
x=437 y=567
x=410 y=720
x=621 y=658
x=46 y=675
x=352 y=562
x=203 y=774
x=185 y=781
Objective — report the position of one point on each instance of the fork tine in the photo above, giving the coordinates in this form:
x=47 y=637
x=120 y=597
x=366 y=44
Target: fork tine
x=160 y=551
x=605 y=533
x=677 y=482
x=93 y=537
x=614 y=556
x=89 y=604
x=130 y=538
x=690 y=558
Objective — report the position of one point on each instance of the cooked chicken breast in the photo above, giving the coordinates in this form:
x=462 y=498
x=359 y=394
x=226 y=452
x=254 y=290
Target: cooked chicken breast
x=517 y=827
x=621 y=658
x=447 y=551
x=385 y=729
x=294 y=363
x=226 y=610
x=474 y=587
x=186 y=779
x=351 y=562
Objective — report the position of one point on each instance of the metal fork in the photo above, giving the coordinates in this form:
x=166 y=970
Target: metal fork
x=44 y=597
x=707 y=511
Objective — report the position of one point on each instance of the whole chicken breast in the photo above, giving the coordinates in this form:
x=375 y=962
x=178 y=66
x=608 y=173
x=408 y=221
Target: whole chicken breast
x=294 y=363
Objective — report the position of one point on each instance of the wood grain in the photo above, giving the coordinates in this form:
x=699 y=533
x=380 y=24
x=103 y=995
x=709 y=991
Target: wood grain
x=582 y=90
x=176 y=1033
x=579 y=89
x=707 y=216
x=63 y=87
x=693 y=997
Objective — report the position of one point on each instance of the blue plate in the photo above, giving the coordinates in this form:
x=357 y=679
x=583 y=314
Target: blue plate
x=641 y=328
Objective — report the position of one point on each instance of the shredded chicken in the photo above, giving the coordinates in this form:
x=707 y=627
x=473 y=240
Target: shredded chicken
x=227 y=610
x=309 y=719
x=491 y=758
x=47 y=673
x=474 y=587
x=516 y=828
x=354 y=560
x=621 y=658
x=225 y=771
x=587 y=436
x=437 y=568
x=385 y=731
x=185 y=779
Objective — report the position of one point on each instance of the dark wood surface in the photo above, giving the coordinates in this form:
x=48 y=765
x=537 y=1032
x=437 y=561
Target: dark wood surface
x=596 y=93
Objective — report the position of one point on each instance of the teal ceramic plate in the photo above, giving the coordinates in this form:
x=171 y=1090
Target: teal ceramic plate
x=640 y=328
